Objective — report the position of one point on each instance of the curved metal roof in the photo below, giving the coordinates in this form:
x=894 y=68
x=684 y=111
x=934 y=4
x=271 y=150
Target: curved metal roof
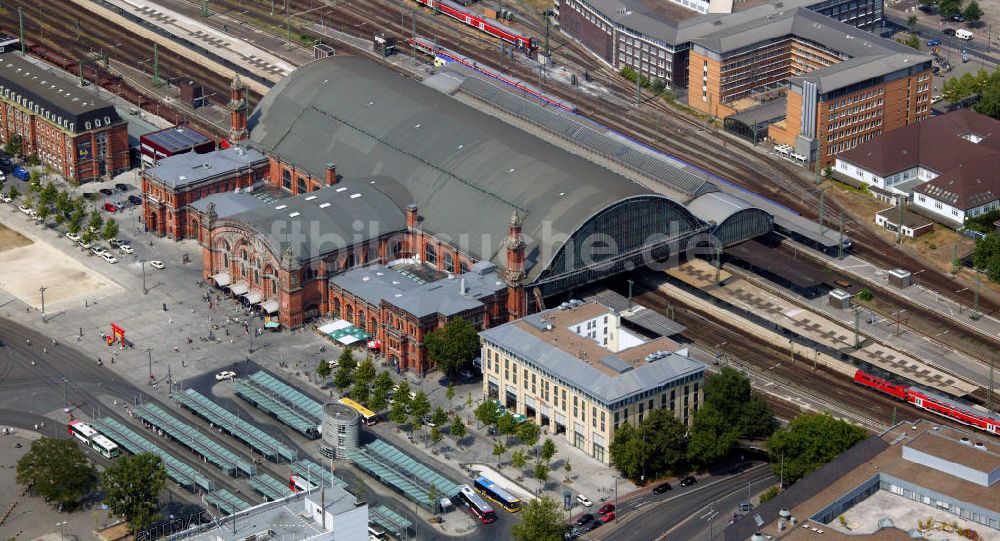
x=467 y=171
x=718 y=206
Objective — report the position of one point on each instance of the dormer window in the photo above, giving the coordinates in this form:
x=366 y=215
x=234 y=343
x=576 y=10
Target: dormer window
x=86 y=125
x=972 y=137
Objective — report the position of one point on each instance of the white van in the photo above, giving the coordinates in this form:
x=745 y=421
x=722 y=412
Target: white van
x=962 y=33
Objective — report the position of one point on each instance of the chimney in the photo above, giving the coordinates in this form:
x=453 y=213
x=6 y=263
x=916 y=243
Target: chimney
x=331 y=174
x=411 y=216
x=461 y=286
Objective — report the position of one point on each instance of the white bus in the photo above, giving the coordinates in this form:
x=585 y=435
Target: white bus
x=94 y=439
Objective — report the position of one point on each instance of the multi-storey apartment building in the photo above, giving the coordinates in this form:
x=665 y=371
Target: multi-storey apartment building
x=76 y=133
x=577 y=371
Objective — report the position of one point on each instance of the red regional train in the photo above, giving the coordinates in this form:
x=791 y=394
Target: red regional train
x=934 y=403
x=483 y=23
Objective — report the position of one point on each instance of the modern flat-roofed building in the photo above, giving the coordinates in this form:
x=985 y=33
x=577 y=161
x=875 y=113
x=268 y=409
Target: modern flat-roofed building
x=578 y=372
x=70 y=130
x=322 y=514
x=946 y=167
x=842 y=84
x=171 y=141
x=914 y=477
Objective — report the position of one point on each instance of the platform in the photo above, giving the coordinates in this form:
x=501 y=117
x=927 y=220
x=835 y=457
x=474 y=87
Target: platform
x=808 y=324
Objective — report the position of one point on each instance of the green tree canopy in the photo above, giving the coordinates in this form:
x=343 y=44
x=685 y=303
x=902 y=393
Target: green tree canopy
x=453 y=346
x=360 y=392
x=366 y=371
x=810 y=441
x=541 y=472
x=439 y=417
x=712 y=436
x=12 y=192
x=486 y=413
x=132 y=487
x=528 y=433
x=323 y=369
x=656 y=447
x=96 y=221
x=505 y=424
x=541 y=520
x=380 y=391
x=59 y=470
x=548 y=450
x=398 y=413
x=48 y=194
x=518 y=458
x=457 y=430
x=498 y=450
x=910 y=41
x=986 y=256
x=450 y=393
x=420 y=405
x=950 y=7
x=436 y=435
x=973 y=12
x=989 y=101
x=402 y=394
x=87 y=236
x=14 y=145
x=730 y=394
x=110 y=229
x=345 y=370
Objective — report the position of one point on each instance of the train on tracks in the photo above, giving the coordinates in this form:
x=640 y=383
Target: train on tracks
x=443 y=56
x=484 y=24
x=934 y=403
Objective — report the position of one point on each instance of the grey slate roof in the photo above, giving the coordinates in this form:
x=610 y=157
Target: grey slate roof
x=53 y=93
x=190 y=168
x=377 y=283
x=466 y=171
x=717 y=206
x=317 y=223
x=608 y=389
x=229 y=203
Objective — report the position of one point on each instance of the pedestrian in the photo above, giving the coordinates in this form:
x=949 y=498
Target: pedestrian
x=36 y=427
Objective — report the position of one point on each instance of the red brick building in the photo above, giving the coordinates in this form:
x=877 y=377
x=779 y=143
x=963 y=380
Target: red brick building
x=72 y=131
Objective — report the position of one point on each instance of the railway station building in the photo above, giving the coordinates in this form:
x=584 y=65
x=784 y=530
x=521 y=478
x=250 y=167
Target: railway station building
x=916 y=480
x=72 y=131
x=840 y=84
x=579 y=372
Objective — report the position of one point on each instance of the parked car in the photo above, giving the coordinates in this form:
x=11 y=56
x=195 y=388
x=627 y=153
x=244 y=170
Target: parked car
x=110 y=207
x=926 y=9
x=661 y=488
x=584 y=518
x=606 y=508
x=934 y=42
x=109 y=258
x=115 y=243
x=746 y=507
x=948 y=31
x=98 y=250
x=583 y=500
x=106 y=191
x=444 y=382
x=21 y=173
x=593 y=525
x=156 y=264
x=958 y=18
x=90 y=196
x=688 y=481
x=118 y=204
x=135 y=199
x=73 y=237
x=24 y=208
x=126 y=249
x=608 y=517
x=5 y=198
x=121 y=187
x=224 y=375
x=426 y=420
x=84 y=245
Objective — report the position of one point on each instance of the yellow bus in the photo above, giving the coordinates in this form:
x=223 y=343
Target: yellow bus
x=368 y=416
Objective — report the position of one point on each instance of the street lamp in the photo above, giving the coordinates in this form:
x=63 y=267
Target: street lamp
x=252 y=331
x=144 y=290
x=42 y=291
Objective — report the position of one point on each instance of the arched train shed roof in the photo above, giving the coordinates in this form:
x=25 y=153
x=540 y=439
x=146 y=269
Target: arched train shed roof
x=735 y=220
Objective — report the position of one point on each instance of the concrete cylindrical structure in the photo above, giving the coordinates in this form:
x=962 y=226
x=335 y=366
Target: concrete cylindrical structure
x=341 y=430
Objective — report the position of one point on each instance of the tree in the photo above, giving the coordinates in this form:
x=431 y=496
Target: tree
x=656 y=447
x=96 y=221
x=486 y=413
x=76 y=219
x=758 y=419
x=87 y=236
x=402 y=394
x=498 y=451
x=12 y=192
x=986 y=256
x=73 y=227
x=450 y=393
x=398 y=414
x=323 y=369
x=14 y=145
x=366 y=371
x=911 y=41
x=360 y=392
x=505 y=424
x=436 y=435
x=42 y=211
x=711 y=437
x=458 y=430
x=111 y=231
x=380 y=391
x=63 y=202
x=769 y=494
x=730 y=394
x=132 y=486
x=345 y=370
x=973 y=12
x=529 y=433
x=541 y=520
x=439 y=417
x=989 y=101
x=568 y=468
x=541 y=472
x=57 y=471
x=548 y=450
x=950 y=7
x=420 y=405
x=911 y=22
x=453 y=346
x=518 y=459
x=810 y=441
x=48 y=194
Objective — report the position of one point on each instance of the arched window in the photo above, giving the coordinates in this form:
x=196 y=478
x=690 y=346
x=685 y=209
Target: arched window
x=336 y=307
x=302 y=185
x=349 y=310
x=397 y=247
x=286 y=179
x=374 y=328
x=430 y=254
x=464 y=267
x=350 y=261
x=449 y=261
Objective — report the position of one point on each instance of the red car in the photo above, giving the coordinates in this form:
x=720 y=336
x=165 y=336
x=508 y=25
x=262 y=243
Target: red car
x=608 y=517
x=608 y=507
x=110 y=207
